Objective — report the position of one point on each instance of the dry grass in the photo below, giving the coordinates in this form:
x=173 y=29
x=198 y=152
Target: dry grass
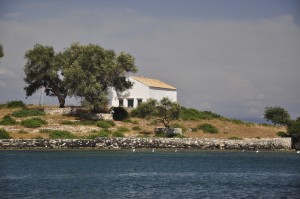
x=226 y=128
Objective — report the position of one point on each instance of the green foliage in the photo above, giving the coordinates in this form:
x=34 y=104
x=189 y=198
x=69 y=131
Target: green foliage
x=45 y=131
x=28 y=112
x=111 y=122
x=164 y=111
x=33 y=122
x=118 y=134
x=44 y=69
x=8 y=120
x=4 y=134
x=193 y=114
x=208 y=128
x=102 y=133
x=58 y=134
x=129 y=120
x=87 y=123
x=15 y=104
x=136 y=128
x=123 y=129
x=145 y=109
x=91 y=69
x=277 y=115
x=281 y=134
x=294 y=128
x=120 y=114
x=103 y=124
x=235 y=138
x=68 y=122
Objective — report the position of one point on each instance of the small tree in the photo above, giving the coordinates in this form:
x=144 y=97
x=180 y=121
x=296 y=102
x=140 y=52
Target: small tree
x=163 y=111
x=43 y=69
x=294 y=128
x=277 y=115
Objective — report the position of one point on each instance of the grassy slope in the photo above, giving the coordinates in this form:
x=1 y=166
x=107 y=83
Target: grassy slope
x=226 y=128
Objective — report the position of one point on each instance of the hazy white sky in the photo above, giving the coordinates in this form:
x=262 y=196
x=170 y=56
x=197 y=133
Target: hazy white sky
x=231 y=57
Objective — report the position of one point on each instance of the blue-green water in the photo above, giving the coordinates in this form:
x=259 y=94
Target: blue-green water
x=143 y=174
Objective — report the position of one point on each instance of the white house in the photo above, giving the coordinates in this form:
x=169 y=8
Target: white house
x=143 y=89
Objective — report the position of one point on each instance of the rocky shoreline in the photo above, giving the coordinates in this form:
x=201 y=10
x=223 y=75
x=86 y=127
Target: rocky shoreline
x=157 y=143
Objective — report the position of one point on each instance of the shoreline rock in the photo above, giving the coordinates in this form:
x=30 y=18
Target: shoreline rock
x=270 y=144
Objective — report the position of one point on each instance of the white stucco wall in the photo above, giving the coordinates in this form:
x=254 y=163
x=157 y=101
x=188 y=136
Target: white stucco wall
x=140 y=91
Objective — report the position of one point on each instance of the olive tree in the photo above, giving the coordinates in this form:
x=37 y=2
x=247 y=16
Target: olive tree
x=277 y=115
x=90 y=70
x=164 y=111
x=1 y=51
x=44 y=69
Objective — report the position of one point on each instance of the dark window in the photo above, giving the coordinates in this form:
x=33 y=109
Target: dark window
x=139 y=101
x=121 y=102
x=130 y=102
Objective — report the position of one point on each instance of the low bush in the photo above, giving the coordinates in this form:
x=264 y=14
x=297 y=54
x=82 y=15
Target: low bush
x=123 y=129
x=4 y=134
x=8 y=120
x=118 y=134
x=28 y=112
x=68 y=122
x=103 y=124
x=208 y=128
x=193 y=114
x=282 y=134
x=45 y=131
x=58 y=134
x=111 y=122
x=15 y=104
x=131 y=121
x=87 y=122
x=120 y=114
x=33 y=122
x=193 y=129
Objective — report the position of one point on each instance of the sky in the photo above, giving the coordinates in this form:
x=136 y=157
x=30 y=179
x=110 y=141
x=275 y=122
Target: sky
x=231 y=57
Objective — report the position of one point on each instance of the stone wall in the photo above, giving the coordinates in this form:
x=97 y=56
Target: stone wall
x=161 y=143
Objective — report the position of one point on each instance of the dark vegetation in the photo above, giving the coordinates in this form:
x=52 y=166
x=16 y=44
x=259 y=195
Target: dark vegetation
x=4 y=134
x=208 y=128
x=33 y=122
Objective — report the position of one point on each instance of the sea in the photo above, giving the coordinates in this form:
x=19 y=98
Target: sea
x=148 y=174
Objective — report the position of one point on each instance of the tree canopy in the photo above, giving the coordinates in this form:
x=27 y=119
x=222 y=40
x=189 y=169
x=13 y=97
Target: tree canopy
x=85 y=71
x=277 y=115
x=90 y=70
x=164 y=111
x=44 y=69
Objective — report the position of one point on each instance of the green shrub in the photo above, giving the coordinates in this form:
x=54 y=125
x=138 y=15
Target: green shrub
x=87 y=122
x=131 y=121
x=68 y=122
x=15 y=104
x=8 y=120
x=193 y=114
x=33 y=122
x=4 y=134
x=118 y=134
x=123 y=129
x=58 y=134
x=136 y=128
x=235 y=138
x=28 y=112
x=193 y=129
x=281 y=134
x=111 y=122
x=208 y=128
x=120 y=114
x=103 y=124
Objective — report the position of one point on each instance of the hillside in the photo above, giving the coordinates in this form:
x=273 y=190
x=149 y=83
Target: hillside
x=134 y=127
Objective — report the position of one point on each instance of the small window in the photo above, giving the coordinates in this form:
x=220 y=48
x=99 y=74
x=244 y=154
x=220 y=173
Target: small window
x=121 y=102
x=130 y=102
x=139 y=101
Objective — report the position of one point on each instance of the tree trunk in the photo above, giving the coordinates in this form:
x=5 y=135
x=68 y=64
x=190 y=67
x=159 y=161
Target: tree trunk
x=61 y=102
